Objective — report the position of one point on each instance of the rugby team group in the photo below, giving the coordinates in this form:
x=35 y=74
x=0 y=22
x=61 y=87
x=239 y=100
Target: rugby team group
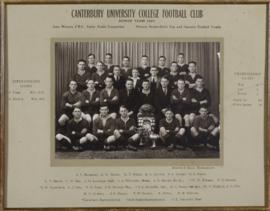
x=119 y=107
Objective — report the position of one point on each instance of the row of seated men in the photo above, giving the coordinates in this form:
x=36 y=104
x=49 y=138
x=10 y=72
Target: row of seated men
x=184 y=102
x=124 y=133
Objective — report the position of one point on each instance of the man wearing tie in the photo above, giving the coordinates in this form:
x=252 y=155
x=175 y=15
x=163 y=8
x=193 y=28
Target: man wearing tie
x=108 y=64
x=162 y=97
x=118 y=80
x=128 y=98
x=154 y=79
x=137 y=82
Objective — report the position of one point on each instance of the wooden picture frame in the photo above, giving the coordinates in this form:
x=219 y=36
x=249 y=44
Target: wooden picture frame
x=5 y=94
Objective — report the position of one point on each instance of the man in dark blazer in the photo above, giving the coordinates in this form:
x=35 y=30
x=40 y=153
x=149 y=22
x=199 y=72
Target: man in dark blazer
x=173 y=76
x=108 y=64
x=137 y=82
x=154 y=79
x=162 y=97
x=129 y=98
x=118 y=79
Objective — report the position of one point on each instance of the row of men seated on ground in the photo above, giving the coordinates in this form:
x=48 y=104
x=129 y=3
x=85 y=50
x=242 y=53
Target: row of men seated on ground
x=185 y=102
x=99 y=71
x=109 y=133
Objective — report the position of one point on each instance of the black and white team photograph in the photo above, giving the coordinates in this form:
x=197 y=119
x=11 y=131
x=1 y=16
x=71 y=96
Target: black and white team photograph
x=137 y=99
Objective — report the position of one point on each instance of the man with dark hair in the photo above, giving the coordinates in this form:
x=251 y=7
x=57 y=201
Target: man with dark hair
x=103 y=126
x=162 y=97
x=182 y=66
x=173 y=76
x=99 y=76
x=108 y=65
x=118 y=79
x=171 y=133
x=144 y=69
x=90 y=67
x=110 y=96
x=154 y=79
x=204 y=131
x=77 y=132
x=81 y=76
x=70 y=99
x=162 y=69
x=193 y=75
x=91 y=100
x=129 y=98
x=146 y=96
x=125 y=128
x=180 y=100
x=125 y=68
x=200 y=96
x=137 y=82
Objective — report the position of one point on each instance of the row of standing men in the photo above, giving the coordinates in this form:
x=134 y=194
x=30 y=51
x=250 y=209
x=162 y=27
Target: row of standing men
x=179 y=89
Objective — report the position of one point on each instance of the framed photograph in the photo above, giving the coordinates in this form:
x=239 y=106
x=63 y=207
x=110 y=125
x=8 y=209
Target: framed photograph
x=150 y=106
x=162 y=59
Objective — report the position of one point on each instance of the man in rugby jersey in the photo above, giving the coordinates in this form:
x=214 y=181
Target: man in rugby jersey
x=99 y=76
x=77 y=135
x=204 y=130
x=91 y=101
x=192 y=75
x=146 y=96
x=125 y=131
x=171 y=133
x=180 y=101
x=162 y=69
x=182 y=66
x=200 y=96
x=70 y=99
x=81 y=76
x=103 y=127
x=126 y=68
x=110 y=96
x=91 y=67
x=144 y=68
